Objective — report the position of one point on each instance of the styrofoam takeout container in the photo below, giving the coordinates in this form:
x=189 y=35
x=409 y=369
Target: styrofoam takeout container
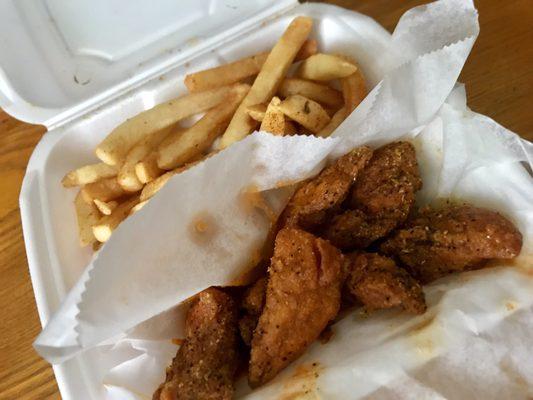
x=81 y=68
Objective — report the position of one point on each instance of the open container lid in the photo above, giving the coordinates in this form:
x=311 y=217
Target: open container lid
x=59 y=60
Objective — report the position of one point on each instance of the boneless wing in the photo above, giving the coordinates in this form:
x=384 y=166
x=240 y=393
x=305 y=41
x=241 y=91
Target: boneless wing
x=388 y=183
x=320 y=197
x=377 y=282
x=355 y=229
x=382 y=198
x=206 y=362
x=303 y=295
x=438 y=242
x=252 y=306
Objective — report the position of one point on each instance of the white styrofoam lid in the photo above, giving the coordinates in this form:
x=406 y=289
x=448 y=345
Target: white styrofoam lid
x=60 y=58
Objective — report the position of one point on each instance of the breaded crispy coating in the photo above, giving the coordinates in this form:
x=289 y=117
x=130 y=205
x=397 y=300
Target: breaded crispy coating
x=382 y=198
x=354 y=229
x=387 y=186
x=320 y=197
x=206 y=362
x=439 y=242
x=377 y=282
x=252 y=305
x=303 y=295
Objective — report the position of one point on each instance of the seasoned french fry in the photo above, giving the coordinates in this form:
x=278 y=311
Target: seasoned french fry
x=138 y=206
x=147 y=169
x=89 y=174
x=315 y=91
x=106 y=208
x=107 y=224
x=306 y=112
x=195 y=140
x=325 y=67
x=257 y=112
x=87 y=215
x=103 y=190
x=127 y=178
x=238 y=70
x=267 y=82
x=275 y=121
x=114 y=148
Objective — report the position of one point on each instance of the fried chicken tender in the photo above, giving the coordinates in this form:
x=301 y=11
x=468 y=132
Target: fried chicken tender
x=387 y=186
x=381 y=199
x=354 y=229
x=321 y=197
x=252 y=304
x=457 y=238
x=377 y=282
x=303 y=295
x=206 y=362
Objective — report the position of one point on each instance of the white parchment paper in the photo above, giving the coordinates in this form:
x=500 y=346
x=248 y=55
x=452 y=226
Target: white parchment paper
x=127 y=303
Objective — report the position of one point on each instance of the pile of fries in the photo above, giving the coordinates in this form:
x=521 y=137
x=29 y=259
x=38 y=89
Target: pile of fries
x=139 y=156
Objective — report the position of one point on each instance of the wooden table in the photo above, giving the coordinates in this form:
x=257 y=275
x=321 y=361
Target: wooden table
x=499 y=82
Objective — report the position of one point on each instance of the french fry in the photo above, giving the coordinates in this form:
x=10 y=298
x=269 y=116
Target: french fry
x=151 y=188
x=238 y=70
x=127 y=177
x=137 y=207
x=325 y=67
x=105 y=208
x=257 y=112
x=354 y=90
x=309 y=48
x=89 y=174
x=195 y=140
x=306 y=112
x=322 y=94
x=87 y=215
x=269 y=78
x=103 y=190
x=147 y=169
x=154 y=186
x=107 y=224
x=114 y=148
x=335 y=121
x=275 y=121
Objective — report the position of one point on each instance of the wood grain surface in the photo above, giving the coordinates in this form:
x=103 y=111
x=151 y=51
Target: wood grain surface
x=499 y=82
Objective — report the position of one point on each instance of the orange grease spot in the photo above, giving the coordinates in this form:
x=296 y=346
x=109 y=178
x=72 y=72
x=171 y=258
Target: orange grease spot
x=302 y=384
x=511 y=305
x=203 y=228
x=252 y=199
